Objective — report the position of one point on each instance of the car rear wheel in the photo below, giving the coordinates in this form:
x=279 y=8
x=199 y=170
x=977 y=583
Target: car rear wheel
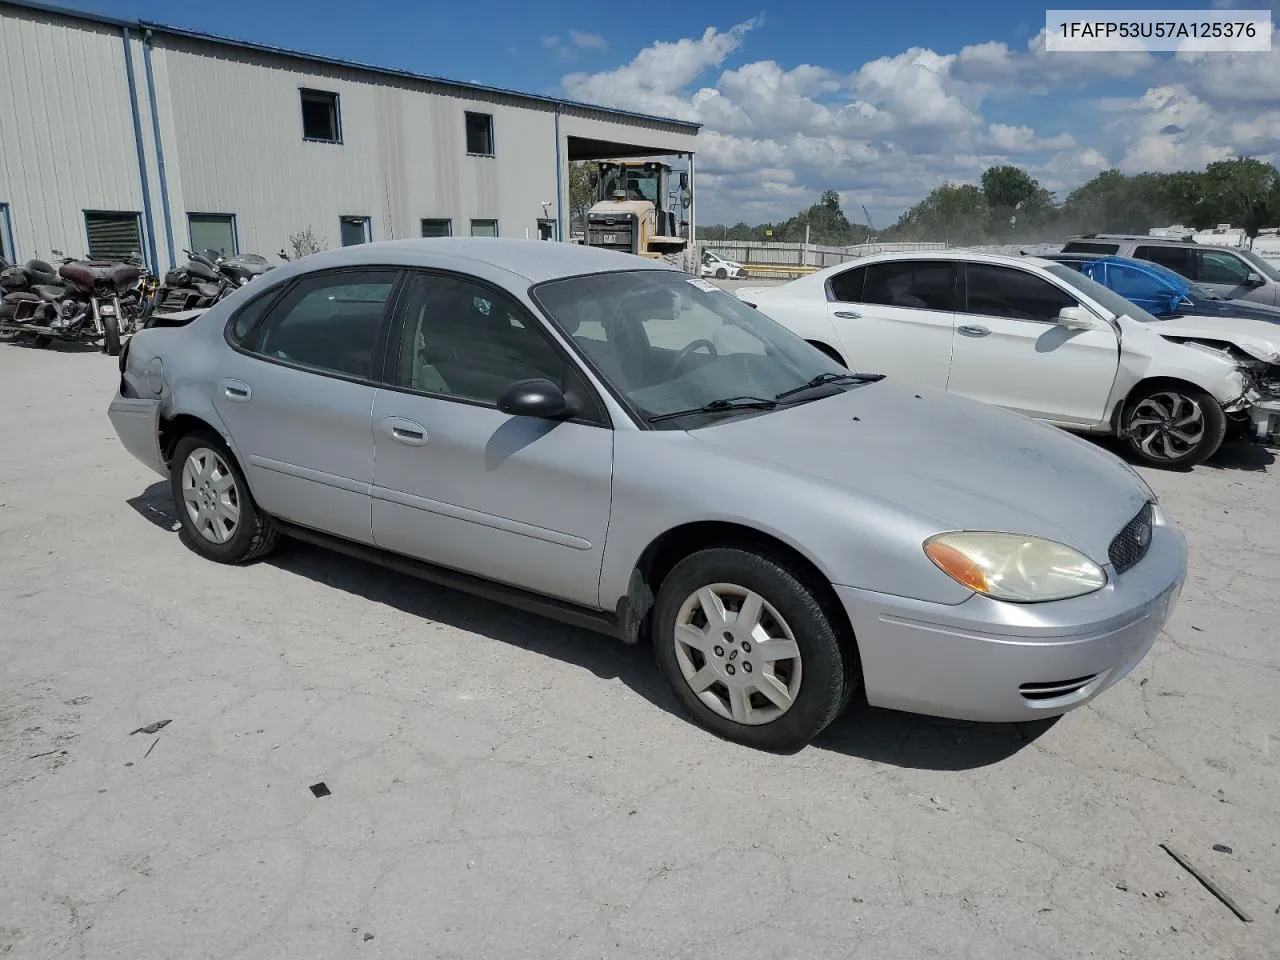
x=749 y=649
x=214 y=505
x=1173 y=426
x=722 y=274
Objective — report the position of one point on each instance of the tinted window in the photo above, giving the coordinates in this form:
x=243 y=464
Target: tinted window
x=462 y=340
x=847 y=287
x=1171 y=258
x=480 y=134
x=920 y=284
x=1213 y=266
x=248 y=316
x=328 y=322
x=996 y=291
x=1086 y=246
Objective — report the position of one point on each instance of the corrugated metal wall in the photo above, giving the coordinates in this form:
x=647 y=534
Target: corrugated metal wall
x=66 y=130
x=230 y=130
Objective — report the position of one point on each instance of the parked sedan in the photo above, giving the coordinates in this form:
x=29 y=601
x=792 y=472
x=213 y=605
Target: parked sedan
x=602 y=438
x=1028 y=334
x=714 y=265
x=1159 y=290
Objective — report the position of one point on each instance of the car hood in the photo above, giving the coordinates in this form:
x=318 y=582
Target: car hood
x=1258 y=338
x=1242 y=309
x=954 y=464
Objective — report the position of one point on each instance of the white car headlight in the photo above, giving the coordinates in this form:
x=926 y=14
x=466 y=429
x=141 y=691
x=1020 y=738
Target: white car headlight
x=1007 y=566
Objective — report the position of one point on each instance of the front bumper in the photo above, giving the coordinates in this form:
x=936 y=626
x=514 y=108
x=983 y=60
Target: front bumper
x=1264 y=421
x=986 y=660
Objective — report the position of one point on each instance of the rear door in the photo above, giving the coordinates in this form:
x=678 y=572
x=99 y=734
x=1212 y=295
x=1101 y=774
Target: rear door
x=1010 y=349
x=297 y=392
x=896 y=317
x=1227 y=275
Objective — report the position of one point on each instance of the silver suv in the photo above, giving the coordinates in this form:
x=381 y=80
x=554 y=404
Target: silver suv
x=1227 y=271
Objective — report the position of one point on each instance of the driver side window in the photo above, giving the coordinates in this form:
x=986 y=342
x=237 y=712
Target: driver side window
x=1213 y=266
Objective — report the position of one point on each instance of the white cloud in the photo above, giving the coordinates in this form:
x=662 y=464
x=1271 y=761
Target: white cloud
x=587 y=41
x=889 y=130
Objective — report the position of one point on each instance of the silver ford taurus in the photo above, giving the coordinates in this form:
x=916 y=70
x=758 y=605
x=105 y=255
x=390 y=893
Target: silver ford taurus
x=601 y=438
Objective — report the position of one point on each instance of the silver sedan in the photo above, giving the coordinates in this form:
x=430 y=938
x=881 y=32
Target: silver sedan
x=601 y=438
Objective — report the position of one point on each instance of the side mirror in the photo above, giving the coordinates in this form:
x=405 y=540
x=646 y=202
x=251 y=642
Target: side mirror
x=1254 y=280
x=1076 y=318
x=535 y=398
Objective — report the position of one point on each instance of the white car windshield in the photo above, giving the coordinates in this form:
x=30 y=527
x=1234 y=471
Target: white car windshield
x=667 y=342
x=1098 y=293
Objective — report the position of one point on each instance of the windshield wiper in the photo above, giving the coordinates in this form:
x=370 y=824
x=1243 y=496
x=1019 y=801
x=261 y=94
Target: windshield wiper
x=825 y=378
x=719 y=406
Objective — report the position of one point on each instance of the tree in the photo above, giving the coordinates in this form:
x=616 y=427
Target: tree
x=954 y=213
x=1015 y=199
x=582 y=192
x=305 y=242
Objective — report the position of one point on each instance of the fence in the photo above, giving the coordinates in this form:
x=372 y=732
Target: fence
x=795 y=259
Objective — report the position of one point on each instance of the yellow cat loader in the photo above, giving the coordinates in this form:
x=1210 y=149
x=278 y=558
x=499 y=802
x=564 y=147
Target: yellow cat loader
x=632 y=212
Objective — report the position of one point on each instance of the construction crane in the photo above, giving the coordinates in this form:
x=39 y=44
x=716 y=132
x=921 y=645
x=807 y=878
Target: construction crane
x=867 y=213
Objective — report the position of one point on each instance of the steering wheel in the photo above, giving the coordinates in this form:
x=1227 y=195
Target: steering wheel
x=683 y=356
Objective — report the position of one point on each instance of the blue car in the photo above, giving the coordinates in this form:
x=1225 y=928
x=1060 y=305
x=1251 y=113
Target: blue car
x=1159 y=290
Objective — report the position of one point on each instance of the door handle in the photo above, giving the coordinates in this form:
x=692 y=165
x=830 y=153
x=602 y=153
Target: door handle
x=405 y=431
x=849 y=314
x=973 y=330
x=237 y=390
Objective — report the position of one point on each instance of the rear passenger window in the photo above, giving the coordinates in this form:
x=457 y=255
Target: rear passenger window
x=995 y=291
x=328 y=322
x=847 y=287
x=1176 y=259
x=1214 y=266
x=918 y=284
x=245 y=321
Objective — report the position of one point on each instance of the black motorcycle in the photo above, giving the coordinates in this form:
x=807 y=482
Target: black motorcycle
x=82 y=301
x=205 y=279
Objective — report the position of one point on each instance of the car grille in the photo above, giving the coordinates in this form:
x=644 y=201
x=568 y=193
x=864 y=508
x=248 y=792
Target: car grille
x=1037 y=692
x=1131 y=543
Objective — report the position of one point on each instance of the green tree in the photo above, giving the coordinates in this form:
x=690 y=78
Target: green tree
x=954 y=213
x=1016 y=200
x=582 y=193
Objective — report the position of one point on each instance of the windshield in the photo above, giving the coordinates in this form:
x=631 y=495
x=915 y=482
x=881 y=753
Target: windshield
x=667 y=342
x=1097 y=292
x=1264 y=268
x=634 y=181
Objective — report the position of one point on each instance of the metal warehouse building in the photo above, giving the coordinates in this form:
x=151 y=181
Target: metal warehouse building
x=118 y=136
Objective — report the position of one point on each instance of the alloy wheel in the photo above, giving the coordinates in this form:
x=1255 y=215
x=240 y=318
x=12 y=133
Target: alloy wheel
x=1166 y=426
x=737 y=654
x=210 y=495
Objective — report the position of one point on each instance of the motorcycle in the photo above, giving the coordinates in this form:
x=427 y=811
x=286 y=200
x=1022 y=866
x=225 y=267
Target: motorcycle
x=83 y=301
x=206 y=278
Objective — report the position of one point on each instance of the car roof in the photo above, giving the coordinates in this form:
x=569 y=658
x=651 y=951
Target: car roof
x=533 y=260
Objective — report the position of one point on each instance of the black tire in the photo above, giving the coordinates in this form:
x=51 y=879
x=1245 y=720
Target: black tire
x=1165 y=449
x=111 y=336
x=829 y=675
x=255 y=535
x=722 y=274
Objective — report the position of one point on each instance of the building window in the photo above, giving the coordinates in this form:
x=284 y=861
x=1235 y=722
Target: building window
x=437 y=228
x=113 y=235
x=480 y=134
x=213 y=231
x=6 y=236
x=320 y=118
x=484 y=228
x=354 y=230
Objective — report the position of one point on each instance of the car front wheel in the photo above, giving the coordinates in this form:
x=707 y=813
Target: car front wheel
x=215 y=508
x=750 y=650
x=1173 y=426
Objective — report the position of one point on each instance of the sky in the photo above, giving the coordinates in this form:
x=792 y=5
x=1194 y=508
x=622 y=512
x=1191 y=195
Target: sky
x=880 y=102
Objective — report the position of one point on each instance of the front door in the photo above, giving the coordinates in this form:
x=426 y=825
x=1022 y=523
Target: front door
x=520 y=500
x=1010 y=349
x=896 y=317
x=297 y=393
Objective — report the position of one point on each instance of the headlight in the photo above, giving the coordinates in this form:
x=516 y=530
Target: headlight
x=1006 y=566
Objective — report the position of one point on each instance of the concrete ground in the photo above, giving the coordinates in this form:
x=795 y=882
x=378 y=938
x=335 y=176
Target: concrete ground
x=502 y=786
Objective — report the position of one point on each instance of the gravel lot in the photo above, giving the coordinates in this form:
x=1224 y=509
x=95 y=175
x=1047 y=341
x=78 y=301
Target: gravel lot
x=505 y=787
